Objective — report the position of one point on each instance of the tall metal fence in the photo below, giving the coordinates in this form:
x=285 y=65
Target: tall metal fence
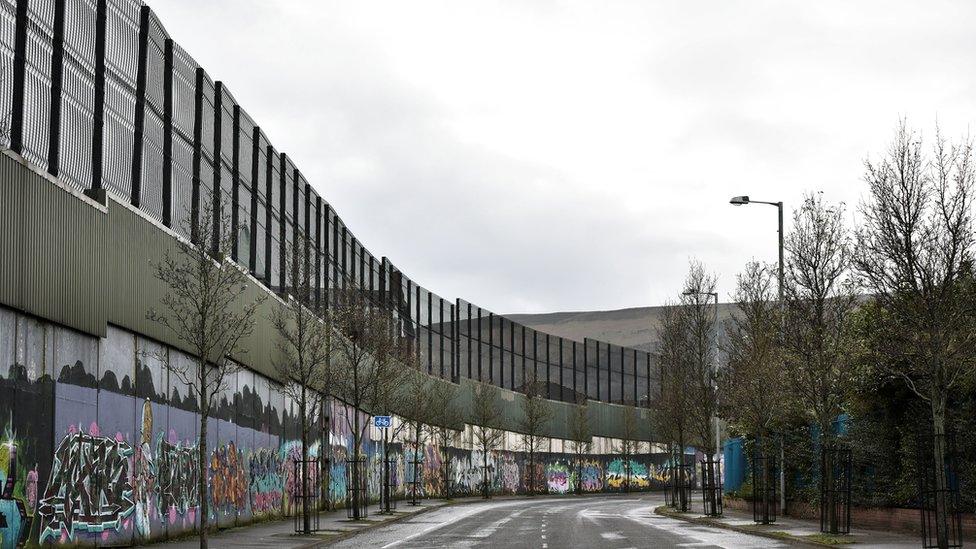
x=97 y=94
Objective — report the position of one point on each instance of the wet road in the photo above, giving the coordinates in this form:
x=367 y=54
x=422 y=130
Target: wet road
x=612 y=522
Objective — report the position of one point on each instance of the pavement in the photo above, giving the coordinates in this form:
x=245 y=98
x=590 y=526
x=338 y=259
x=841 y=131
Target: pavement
x=796 y=530
x=334 y=526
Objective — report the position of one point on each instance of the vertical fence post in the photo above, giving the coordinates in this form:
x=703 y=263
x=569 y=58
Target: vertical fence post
x=218 y=117
x=197 y=138
x=57 y=84
x=235 y=183
x=255 y=178
x=20 y=74
x=168 y=133
x=140 y=113
x=98 y=118
x=268 y=201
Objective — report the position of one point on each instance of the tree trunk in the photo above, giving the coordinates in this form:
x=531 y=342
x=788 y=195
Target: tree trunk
x=202 y=469
x=306 y=523
x=828 y=497
x=939 y=460
x=416 y=462
x=682 y=493
x=357 y=441
x=445 y=466
x=579 y=474
x=484 y=475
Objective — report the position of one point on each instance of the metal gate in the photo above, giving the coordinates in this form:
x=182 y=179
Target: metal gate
x=939 y=529
x=835 y=490
x=711 y=474
x=764 y=492
x=357 y=499
x=301 y=498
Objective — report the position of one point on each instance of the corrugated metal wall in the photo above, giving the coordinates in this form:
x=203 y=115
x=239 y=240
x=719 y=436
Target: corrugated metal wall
x=51 y=244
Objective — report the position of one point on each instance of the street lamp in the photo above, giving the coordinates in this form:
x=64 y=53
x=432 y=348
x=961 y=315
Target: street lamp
x=741 y=201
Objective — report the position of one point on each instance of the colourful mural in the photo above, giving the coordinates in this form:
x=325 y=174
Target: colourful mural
x=124 y=467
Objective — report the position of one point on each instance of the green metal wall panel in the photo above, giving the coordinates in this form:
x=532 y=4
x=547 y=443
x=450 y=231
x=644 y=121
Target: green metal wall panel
x=50 y=238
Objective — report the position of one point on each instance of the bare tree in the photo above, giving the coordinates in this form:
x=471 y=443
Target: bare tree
x=915 y=254
x=754 y=388
x=670 y=412
x=536 y=414
x=207 y=307
x=700 y=324
x=415 y=406
x=304 y=343
x=581 y=436
x=485 y=417
x=446 y=423
x=365 y=373
x=820 y=297
x=628 y=444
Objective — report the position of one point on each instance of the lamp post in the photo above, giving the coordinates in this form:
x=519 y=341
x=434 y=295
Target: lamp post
x=741 y=201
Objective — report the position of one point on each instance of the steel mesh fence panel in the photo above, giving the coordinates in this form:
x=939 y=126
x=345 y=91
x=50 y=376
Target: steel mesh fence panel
x=207 y=176
x=121 y=66
x=518 y=380
x=78 y=94
x=578 y=361
x=151 y=196
x=184 y=90
x=603 y=371
x=263 y=212
x=8 y=17
x=591 y=377
x=274 y=204
x=629 y=382
x=37 y=82
x=644 y=368
x=566 y=371
x=245 y=188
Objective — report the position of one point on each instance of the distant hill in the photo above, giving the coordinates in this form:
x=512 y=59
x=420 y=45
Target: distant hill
x=636 y=327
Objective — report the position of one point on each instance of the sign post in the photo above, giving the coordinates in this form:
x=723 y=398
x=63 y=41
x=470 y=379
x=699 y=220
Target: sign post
x=385 y=422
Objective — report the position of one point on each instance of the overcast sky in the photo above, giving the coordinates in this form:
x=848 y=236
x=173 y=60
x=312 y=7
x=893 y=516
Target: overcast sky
x=552 y=156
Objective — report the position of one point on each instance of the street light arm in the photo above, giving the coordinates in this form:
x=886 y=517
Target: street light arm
x=777 y=204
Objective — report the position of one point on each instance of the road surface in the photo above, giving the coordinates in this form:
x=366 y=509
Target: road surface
x=610 y=522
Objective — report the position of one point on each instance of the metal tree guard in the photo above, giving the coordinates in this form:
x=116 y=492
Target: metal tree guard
x=835 y=490
x=300 y=497
x=939 y=530
x=764 y=493
x=388 y=495
x=356 y=496
x=711 y=486
x=679 y=489
x=416 y=482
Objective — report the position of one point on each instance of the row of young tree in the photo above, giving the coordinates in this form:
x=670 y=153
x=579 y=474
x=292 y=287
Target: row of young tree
x=353 y=351
x=885 y=297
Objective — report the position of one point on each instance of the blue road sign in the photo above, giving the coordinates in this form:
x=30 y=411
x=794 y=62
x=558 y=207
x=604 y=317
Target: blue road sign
x=382 y=421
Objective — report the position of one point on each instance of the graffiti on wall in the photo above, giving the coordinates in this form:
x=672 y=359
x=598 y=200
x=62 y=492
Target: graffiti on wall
x=267 y=484
x=18 y=496
x=89 y=489
x=228 y=485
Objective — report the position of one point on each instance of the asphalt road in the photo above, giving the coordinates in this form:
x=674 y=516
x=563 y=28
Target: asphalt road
x=612 y=522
